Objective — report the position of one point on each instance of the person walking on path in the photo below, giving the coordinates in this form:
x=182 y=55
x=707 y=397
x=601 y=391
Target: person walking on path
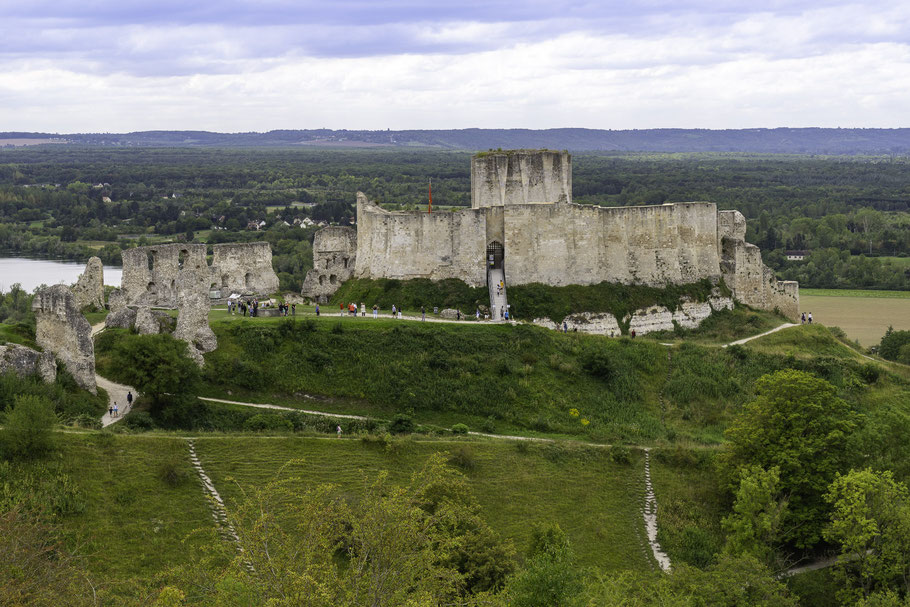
x=363 y=309
x=810 y=318
x=116 y=410
x=375 y=311
x=565 y=327
x=129 y=400
x=338 y=430
x=802 y=319
x=457 y=314
x=341 y=308
x=423 y=313
x=317 y=309
x=293 y=309
x=394 y=310
x=110 y=411
x=477 y=314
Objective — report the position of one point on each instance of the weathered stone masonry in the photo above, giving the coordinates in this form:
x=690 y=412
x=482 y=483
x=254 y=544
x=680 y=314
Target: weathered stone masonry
x=334 y=255
x=62 y=330
x=521 y=202
x=150 y=274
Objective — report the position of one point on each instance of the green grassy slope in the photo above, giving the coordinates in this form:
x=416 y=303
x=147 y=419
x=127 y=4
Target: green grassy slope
x=596 y=501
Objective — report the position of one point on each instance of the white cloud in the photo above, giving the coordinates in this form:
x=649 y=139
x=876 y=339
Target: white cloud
x=839 y=66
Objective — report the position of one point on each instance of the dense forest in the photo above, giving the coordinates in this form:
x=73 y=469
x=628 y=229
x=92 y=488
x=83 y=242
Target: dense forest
x=768 y=141
x=850 y=215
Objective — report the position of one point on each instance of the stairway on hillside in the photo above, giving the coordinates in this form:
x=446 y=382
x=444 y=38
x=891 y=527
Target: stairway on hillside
x=498 y=301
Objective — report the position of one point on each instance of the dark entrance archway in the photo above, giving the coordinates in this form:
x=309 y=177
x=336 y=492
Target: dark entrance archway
x=495 y=255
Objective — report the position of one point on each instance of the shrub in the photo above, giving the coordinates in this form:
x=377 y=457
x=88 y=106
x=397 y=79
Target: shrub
x=464 y=458
x=172 y=472
x=620 y=454
x=869 y=373
x=488 y=425
x=338 y=328
x=460 y=429
x=27 y=430
x=892 y=344
x=139 y=420
x=267 y=421
x=401 y=424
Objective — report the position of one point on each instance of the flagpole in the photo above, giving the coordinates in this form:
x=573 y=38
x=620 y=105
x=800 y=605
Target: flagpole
x=430 y=206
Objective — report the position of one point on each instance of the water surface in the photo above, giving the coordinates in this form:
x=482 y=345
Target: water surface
x=32 y=273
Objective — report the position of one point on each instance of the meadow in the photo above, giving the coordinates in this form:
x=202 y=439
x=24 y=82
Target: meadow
x=863 y=315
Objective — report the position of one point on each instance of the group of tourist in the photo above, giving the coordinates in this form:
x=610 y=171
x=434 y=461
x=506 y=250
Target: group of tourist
x=803 y=320
x=250 y=306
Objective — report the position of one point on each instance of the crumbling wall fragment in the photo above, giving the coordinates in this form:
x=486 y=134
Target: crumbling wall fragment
x=124 y=318
x=62 y=330
x=24 y=361
x=146 y=323
x=334 y=256
x=243 y=268
x=193 y=312
x=89 y=289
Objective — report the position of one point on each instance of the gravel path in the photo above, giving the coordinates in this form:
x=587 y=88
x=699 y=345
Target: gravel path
x=116 y=393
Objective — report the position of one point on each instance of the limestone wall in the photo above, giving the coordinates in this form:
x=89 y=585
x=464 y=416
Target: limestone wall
x=24 y=361
x=61 y=329
x=243 y=268
x=520 y=177
x=334 y=257
x=89 y=289
x=753 y=283
x=563 y=244
x=150 y=273
x=420 y=245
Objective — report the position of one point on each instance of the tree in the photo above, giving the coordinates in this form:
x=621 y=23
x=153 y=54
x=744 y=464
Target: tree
x=798 y=425
x=158 y=367
x=28 y=428
x=753 y=527
x=870 y=520
x=550 y=577
x=893 y=344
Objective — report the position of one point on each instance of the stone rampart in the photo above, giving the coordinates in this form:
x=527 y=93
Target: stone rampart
x=61 y=329
x=420 y=245
x=563 y=244
x=334 y=257
x=752 y=282
x=520 y=177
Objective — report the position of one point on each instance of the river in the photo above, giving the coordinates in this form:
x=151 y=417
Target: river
x=32 y=273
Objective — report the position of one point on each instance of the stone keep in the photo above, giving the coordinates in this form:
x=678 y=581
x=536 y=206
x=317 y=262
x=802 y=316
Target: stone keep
x=89 y=289
x=334 y=256
x=62 y=330
x=150 y=274
x=521 y=206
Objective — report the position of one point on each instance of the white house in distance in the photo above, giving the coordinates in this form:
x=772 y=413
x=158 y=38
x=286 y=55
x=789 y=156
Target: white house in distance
x=796 y=255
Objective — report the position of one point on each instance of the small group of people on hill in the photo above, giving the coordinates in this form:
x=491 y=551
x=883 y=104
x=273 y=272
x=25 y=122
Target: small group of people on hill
x=803 y=320
x=250 y=306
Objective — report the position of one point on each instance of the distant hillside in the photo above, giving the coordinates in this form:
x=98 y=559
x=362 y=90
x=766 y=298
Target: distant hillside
x=774 y=141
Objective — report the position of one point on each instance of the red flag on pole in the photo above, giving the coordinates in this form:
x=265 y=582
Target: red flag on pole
x=430 y=207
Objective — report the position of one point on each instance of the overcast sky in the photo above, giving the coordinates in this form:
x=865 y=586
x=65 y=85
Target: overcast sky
x=229 y=65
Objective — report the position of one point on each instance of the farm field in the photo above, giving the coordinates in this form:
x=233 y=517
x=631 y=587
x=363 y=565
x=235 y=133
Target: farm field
x=864 y=315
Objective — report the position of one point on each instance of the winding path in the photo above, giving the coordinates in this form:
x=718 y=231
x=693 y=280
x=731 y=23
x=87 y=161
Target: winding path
x=738 y=342
x=116 y=393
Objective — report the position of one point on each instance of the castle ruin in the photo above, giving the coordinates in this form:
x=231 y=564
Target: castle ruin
x=523 y=228
x=150 y=274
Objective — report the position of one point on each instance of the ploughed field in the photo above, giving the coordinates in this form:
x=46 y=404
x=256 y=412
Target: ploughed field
x=863 y=315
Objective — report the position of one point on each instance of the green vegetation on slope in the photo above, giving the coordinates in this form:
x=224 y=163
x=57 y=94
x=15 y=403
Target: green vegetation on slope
x=527 y=301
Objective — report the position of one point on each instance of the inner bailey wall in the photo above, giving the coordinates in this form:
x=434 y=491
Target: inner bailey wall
x=520 y=177
x=563 y=244
x=420 y=245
